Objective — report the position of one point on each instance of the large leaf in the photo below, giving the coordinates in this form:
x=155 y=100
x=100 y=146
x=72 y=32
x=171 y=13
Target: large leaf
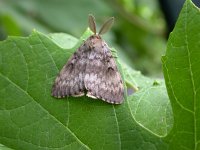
x=181 y=66
x=31 y=119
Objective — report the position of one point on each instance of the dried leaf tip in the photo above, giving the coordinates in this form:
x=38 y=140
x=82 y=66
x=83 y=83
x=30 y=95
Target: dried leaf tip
x=106 y=26
x=92 y=23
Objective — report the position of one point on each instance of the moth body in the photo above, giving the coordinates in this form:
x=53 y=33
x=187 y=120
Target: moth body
x=91 y=70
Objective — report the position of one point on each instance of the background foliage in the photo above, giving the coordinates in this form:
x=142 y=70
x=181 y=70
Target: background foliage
x=138 y=32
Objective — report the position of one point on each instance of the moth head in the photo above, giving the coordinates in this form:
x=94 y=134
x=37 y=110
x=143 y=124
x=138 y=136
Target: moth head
x=104 y=28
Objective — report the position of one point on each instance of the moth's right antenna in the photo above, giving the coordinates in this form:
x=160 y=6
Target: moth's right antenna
x=106 y=26
x=92 y=24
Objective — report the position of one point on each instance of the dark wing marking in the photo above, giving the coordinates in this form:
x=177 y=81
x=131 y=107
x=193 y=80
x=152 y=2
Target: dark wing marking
x=69 y=82
x=102 y=78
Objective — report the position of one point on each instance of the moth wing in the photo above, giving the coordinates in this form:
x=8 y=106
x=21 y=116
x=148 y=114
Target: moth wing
x=102 y=78
x=70 y=81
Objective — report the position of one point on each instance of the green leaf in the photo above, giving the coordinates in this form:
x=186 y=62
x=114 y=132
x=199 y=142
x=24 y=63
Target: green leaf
x=31 y=119
x=61 y=38
x=181 y=70
x=10 y=26
x=25 y=121
x=150 y=105
x=2 y=147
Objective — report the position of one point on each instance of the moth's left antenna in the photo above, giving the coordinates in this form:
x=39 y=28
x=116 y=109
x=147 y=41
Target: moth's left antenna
x=92 y=24
x=106 y=26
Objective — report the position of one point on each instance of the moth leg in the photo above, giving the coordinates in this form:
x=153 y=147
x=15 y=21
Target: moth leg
x=79 y=95
x=89 y=94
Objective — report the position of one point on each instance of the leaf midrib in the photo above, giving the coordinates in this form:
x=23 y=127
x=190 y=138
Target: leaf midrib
x=191 y=76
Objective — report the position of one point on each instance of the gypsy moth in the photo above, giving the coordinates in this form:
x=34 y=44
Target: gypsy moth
x=91 y=69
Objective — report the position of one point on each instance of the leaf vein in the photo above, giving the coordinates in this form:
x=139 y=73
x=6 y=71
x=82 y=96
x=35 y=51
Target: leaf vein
x=119 y=136
x=191 y=76
x=172 y=89
x=6 y=78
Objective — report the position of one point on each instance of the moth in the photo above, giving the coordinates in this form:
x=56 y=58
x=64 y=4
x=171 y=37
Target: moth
x=91 y=70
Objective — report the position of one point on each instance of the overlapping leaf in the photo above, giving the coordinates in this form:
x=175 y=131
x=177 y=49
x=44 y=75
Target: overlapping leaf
x=181 y=69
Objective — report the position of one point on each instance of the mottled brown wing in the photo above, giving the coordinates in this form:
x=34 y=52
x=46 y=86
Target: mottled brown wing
x=70 y=81
x=102 y=78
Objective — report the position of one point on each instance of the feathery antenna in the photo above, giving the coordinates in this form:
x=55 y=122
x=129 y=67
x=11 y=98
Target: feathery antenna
x=106 y=26
x=92 y=24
